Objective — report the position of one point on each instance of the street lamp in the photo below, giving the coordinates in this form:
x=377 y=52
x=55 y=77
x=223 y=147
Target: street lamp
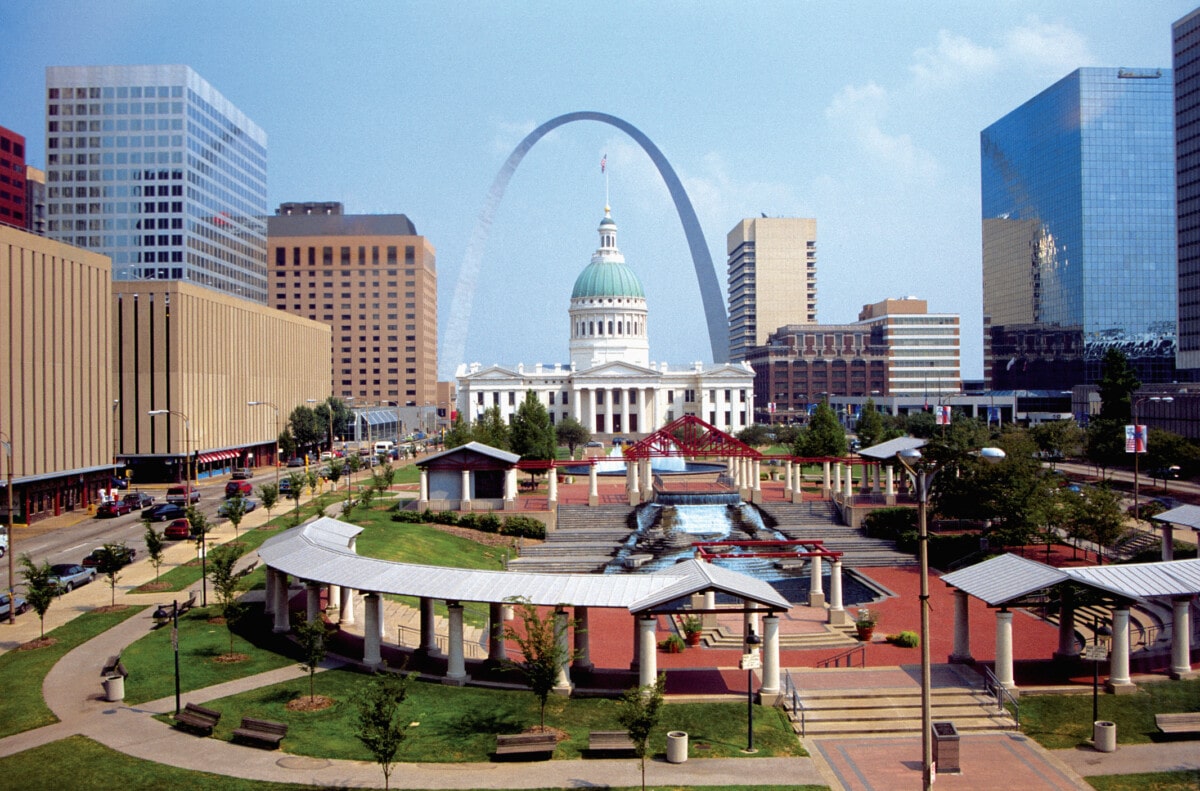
x=187 y=474
x=1139 y=447
x=923 y=471
x=278 y=429
x=752 y=641
x=161 y=617
x=6 y=440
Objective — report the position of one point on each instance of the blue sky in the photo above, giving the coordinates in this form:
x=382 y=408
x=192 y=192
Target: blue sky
x=863 y=115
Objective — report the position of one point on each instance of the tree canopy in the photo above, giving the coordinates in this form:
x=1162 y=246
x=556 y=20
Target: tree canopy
x=531 y=435
x=572 y=433
x=1118 y=382
x=823 y=436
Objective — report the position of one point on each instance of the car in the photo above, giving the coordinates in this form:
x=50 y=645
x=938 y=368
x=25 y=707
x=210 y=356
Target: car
x=118 y=483
x=285 y=486
x=243 y=474
x=164 y=512
x=594 y=444
x=1166 y=473
x=111 y=509
x=182 y=495
x=296 y=461
x=125 y=554
x=22 y=605
x=178 y=529
x=619 y=441
x=66 y=577
x=3 y=541
x=250 y=505
x=238 y=489
x=326 y=455
x=138 y=500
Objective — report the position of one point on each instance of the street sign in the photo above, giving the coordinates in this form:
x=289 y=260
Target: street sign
x=751 y=661
x=1095 y=653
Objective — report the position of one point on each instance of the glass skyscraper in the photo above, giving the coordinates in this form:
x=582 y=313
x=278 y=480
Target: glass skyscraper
x=153 y=167
x=1079 y=252
x=1186 y=39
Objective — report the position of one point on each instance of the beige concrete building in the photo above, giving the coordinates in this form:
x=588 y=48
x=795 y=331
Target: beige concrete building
x=55 y=373
x=373 y=281
x=772 y=279
x=204 y=354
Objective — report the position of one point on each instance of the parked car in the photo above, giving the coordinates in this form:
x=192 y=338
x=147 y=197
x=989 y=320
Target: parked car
x=296 y=461
x=178 y=529
x=125 y=555
x=69 y=576
x=179 y=495
x=3 y=541
x=164 y=512
x=118 y=483
x=112 y=508
x=238 y=488
x=285 y=486
x=22 y=605
x=243 y=474
x=250 y=505
x=138 y=500
x=594 y=444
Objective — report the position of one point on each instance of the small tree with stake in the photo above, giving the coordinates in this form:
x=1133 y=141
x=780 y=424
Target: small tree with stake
x=155 y=546
x=235 y=509
x=199 y=525
x=110 y=559
x=269 y=493
x=379 y=725
x=641 y=708
x=312 y=644
x=40 y=589
x=544 y=653
x=296 y=483
x=225 y=585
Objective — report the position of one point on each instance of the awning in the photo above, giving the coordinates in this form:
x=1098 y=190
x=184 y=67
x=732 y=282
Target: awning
x=220 y=455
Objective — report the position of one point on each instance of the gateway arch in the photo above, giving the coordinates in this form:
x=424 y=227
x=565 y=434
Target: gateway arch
x=468 y=276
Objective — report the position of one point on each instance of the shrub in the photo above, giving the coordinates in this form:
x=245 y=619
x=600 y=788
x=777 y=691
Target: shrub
x=444 y=518
x=905 y=639
x=890 y=523
x=488 y=523
x=523 y=526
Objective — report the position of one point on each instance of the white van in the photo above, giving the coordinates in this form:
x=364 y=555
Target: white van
x=384 y=448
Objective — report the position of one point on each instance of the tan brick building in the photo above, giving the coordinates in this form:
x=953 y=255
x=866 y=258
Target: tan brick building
x=373 y=281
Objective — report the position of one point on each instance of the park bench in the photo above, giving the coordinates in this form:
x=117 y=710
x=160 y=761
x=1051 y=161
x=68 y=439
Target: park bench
x=1187 y=722
x=526 y=743
x=113 y=667
x=189 y=604
x=262 y=732
x=609 y=741
x=198 y=718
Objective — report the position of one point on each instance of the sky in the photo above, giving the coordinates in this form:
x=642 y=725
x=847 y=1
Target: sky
x=863 y=115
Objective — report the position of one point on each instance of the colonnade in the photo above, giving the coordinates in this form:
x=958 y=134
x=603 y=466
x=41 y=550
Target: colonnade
x=625 y=402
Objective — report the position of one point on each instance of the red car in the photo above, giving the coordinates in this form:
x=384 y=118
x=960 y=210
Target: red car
x=178 y=529
x=112 y=508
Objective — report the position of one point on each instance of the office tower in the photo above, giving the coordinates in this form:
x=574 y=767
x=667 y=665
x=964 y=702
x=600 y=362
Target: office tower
x=1079 y=244
x=772 y=279
x=373 y=280
x=153 y=167
x=14 y=209
x=1186 y=38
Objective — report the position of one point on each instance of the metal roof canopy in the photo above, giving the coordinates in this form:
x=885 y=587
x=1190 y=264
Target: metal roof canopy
x=320 y=551
x=1185 y=515
x=887 y=450
x=1008 y=578
x=502 y=456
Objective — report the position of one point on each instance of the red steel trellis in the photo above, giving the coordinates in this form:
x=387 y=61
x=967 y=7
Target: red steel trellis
x=689 y=436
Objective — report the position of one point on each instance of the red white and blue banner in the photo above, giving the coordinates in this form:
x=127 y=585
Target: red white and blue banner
x=1135 y=439
x=943 y=414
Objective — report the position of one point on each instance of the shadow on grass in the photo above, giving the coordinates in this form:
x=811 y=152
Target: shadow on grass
x=478 y=722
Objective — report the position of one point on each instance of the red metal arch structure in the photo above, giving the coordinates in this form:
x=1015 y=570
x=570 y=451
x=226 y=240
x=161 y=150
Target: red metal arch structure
x=689 y=436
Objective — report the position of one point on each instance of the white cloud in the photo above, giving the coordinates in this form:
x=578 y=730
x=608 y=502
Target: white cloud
x=859 y=113
x=953 y=59
x=1037 y=46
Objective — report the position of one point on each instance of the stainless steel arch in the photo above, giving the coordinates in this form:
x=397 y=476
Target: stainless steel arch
x=454 y=347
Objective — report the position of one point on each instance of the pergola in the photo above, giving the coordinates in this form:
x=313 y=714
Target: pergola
x=1009 y=581
x=1183 y=516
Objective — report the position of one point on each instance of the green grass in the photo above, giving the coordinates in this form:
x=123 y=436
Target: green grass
x=1065 y=721
x=1151 y=781
x=21 y=705
x=409 y=473
x=187 y=575
x=460 y=723
x=84 y=765
x=420 y=543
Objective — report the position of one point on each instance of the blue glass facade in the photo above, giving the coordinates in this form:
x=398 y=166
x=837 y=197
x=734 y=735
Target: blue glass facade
x=1079 y=252
x=153 y=167
x=1186 y=48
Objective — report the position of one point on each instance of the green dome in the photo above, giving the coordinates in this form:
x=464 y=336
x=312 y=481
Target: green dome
x=607 y=279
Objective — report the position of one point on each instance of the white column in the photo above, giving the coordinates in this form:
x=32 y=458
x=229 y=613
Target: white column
x=757 y=475
x=428 y=627
x=624 y=409
x=456 y=666
x=510 y=484
x=346 y=610
x=647 y=480
x=1004 y=650
x=770 y=658
x=1168 y=541
x=825 y=479
x=632 y=484
x=592 y=407
x=848 y=492
x=371 y=642
x=816 y=585
x=1118 y=658
x=875 y=478
x=837 y=611
x=424 y=496
x=608 y=412
x=1181 y=636
x=497 y=651
x=583 y=651
x=1067 y=647
x=282 y=616
x=576 y=411
x=798 y=483
x=787 y=478
x=562 y=637
x=962 y=628
x=552 y=485
x=709 y=619
x=647 y=650
x=312 y=609
x=889 y=482
x=837 y=477
x=593 y=486
x=466 y=490
x=269 y=593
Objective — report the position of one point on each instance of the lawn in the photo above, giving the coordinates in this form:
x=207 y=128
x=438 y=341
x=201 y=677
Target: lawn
x=82 y=764
x=187 y=575
x=1152 y=781
x=453 y=724
x=1065 y=721
x=21 y=705
x=407 y=542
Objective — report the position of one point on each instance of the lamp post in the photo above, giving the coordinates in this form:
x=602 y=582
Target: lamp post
x=278 y=429
x=1139 y=447
x=161 y=616
x=752 y=641
x=6 y=440
x=187 y=474
x=923 y=472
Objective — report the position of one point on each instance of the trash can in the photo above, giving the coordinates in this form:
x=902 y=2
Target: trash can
x=114 y=688
x=677 y=747
x=945 y=748
x=1104 y=736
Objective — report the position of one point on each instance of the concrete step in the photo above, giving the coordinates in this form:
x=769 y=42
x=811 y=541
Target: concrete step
x=842 y=712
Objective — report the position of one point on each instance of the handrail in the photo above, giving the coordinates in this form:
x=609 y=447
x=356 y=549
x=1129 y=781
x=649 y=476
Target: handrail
x=789 y=690
x=848 y=655
x=997 y=690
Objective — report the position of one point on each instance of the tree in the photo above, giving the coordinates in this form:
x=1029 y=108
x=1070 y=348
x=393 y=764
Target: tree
x=639 y=713
x=335 y=472
x=40 y=589
x=1058 y=439
x=287 y=445
x=383 y=477
x=155 y=546
x=491 y=429
x=459 y=434
x=870 y=429
x=235 y=509
x=823 y=436
x=921 y=425
x=312 y=646
x=543 y=652
x=755 y=435
x=572 y=433
x=1165 y=449
x=199 y=525
x=225 y=583
x=110 y=559
x=378 y=724
x=1105 y=442
x=296 y=483
x=1097 y=516
x=305 y=427
x=531 y=435
x=1118 y=381
x=354 y=464
x=269 y=494
x=342 y=416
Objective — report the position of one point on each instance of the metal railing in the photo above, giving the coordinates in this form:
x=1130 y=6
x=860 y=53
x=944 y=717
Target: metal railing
x=791 y=697
x=994 y=688
x=410 y=637
x=849 y=655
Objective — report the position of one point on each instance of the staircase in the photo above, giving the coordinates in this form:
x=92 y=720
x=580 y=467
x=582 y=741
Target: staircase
x=586 y=540
x=817 y=520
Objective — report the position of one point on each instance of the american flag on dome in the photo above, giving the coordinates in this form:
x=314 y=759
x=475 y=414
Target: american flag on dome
x=603 y=162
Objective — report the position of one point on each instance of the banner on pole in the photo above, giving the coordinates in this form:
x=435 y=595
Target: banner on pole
x=1135 y=439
